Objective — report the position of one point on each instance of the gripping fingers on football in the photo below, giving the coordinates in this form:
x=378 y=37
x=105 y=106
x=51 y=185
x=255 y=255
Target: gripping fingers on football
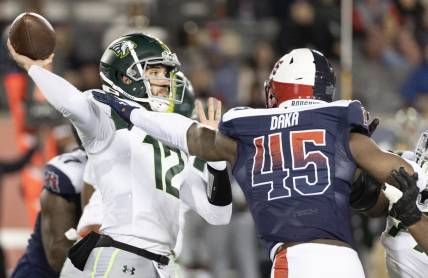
x=24 y=61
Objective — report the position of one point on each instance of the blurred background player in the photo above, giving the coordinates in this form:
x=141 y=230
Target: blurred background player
x=8 y=167
x=60 y=211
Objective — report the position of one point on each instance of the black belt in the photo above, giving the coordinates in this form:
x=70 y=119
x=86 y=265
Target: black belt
x=106 y=241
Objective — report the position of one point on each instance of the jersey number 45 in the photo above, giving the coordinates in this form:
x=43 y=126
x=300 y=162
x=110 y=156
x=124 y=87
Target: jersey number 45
x=309 y=173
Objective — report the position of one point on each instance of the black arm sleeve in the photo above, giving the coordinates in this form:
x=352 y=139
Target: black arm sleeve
x=219 y=186
x=365 y=191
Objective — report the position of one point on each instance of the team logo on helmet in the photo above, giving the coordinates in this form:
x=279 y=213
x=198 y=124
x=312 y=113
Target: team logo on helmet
x=121 y=49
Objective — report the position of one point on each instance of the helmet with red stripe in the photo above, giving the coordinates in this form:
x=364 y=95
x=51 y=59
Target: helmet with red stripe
x=301 y=74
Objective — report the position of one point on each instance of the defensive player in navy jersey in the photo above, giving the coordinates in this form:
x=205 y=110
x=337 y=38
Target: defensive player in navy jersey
x=294 y=161
x=60 y=211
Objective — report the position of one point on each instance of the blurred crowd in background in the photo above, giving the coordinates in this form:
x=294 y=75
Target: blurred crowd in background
x=227 y=49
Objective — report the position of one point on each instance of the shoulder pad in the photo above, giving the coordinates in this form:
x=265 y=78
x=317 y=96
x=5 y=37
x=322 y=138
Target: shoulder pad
x=239 y=120
x=63 y=174
x=236 y=112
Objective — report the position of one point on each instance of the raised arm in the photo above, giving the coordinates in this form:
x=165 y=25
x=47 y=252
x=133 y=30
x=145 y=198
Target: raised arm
x=66 y=98
x=379 y=165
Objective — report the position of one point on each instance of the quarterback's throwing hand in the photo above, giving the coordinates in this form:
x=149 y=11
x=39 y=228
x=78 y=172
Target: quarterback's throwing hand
x=405 y=209
x=214 y=112
x=25 y=62
x=122 y=108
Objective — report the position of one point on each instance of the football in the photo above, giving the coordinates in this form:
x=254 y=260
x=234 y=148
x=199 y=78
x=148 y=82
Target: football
x=32 y=35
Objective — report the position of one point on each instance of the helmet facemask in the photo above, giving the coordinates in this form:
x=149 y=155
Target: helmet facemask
x=160 y=102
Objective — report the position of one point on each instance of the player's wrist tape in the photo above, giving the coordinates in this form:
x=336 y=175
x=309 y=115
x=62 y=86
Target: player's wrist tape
x=169 y=128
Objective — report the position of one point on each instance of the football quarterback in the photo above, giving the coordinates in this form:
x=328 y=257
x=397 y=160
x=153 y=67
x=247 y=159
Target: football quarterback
x=142 y=181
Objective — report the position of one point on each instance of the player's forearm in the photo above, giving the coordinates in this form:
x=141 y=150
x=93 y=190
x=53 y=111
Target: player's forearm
x=419 y=231
x=66 y=98
x=375 y=161
x=198 y=138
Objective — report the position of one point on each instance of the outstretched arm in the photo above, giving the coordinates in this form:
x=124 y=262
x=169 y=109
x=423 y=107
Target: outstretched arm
x=210 y=145
x=176 y=130
x=375 y=161
x=378 y=164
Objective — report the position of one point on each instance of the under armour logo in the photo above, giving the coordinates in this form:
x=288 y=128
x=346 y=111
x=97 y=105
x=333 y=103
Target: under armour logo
x=130 y=270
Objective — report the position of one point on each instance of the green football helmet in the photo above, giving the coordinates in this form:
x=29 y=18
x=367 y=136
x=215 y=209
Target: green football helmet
x=130 y=56
x=187 y=106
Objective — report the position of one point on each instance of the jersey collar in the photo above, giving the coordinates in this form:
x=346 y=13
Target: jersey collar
x=300 y=102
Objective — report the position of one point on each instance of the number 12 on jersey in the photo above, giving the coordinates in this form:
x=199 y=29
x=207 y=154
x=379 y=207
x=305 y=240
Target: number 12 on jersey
x=309 y=173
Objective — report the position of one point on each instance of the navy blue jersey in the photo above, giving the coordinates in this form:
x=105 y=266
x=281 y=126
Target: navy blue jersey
x=63 y=176
x=295 y=168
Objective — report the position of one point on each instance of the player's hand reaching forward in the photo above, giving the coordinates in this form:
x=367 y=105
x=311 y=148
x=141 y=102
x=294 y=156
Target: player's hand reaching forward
x=214 y=113
x=25 y=62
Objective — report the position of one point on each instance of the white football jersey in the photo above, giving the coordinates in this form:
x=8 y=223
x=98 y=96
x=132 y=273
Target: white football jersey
x=140 y=181
x=92 y=213
x=403 y=255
